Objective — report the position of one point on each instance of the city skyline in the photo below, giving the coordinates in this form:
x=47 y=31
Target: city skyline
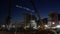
x=43 y=6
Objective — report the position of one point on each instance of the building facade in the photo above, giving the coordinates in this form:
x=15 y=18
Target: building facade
x=52 y=19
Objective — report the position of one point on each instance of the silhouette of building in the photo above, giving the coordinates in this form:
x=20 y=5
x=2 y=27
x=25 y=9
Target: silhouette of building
x=53 y=19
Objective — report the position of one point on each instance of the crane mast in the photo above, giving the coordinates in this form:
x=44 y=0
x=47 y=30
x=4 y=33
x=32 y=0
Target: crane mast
x=37 y=13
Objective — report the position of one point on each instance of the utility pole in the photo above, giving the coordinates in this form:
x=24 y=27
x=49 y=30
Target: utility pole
x=8 y=15
x=9 y=12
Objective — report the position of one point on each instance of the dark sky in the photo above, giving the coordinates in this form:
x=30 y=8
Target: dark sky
x=43 y=6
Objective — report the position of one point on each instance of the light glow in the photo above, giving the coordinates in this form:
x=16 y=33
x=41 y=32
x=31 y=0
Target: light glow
x=33 y=24
x=58 y=26
x=26 y=27
x=3 y=25
x=53 y=22
x=46 y=25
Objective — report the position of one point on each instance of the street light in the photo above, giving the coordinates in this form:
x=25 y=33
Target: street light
x=53 y=23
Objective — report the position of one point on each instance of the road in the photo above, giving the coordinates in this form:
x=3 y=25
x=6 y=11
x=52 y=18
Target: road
x=26 y=32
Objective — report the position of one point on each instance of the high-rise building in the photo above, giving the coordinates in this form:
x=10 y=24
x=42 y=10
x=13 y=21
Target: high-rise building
x=52 y=19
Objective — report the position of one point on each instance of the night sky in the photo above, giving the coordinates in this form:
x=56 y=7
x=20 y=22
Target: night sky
x=43 y=6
